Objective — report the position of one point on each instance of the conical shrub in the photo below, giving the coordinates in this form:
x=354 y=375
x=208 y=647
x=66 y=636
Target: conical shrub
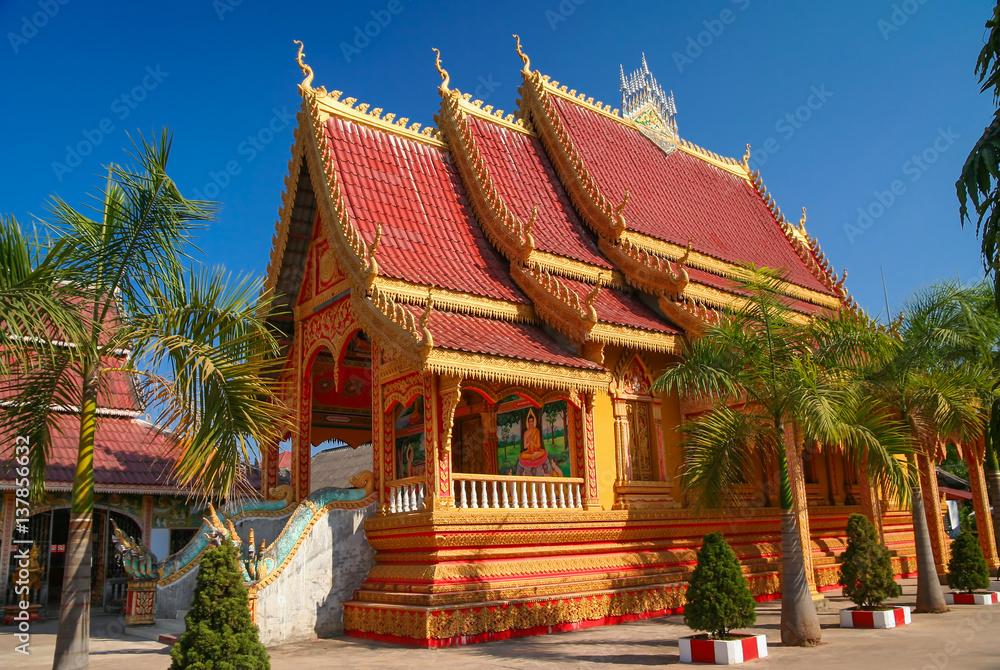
x=220 y=634
x=718 y=595
x=967 y=569
x=866 y=571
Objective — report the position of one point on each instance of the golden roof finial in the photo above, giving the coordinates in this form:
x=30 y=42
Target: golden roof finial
x=524 y=56
x=441 y=71
x=424 y=324
x=307 y=71
x=802 y=221
x=746 y=157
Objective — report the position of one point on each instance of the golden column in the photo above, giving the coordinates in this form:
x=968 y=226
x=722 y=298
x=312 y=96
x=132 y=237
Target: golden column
x=490 y=442
x=932 y=508
x=622 y=466
x=974 y=457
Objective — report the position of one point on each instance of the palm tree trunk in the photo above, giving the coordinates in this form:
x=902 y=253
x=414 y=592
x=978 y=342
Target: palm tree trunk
x=930 y=598
x=73 y=635
x=799 y=621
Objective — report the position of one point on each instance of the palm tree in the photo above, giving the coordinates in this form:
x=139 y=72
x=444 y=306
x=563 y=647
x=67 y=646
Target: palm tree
x=200 y=350
x=767 y=380
x=939 y=382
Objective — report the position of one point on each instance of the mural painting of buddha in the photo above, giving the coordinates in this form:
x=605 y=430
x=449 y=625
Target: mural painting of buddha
x=534 y=460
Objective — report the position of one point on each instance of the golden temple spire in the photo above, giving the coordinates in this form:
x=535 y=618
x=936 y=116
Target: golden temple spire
x=746 y=157
x=524 y=56
x=307 y=71
x=802 y=221
x=441 y=71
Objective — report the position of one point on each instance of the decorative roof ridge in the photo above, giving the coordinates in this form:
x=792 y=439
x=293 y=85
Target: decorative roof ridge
x=501 y=369
x=340 y=229
x=383 y=315
x=726 y=163
x=486 y=113
x=647 y=271
x=604 y=217
x=558 y=305
x=345 y=109
x=805 y=247
x=511 y=236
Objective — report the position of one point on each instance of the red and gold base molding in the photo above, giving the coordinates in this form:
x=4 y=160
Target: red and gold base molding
x=447 y=627
x=140 y=603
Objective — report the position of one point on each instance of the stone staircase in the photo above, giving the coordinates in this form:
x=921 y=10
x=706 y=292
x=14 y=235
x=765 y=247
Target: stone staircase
x=166 y=631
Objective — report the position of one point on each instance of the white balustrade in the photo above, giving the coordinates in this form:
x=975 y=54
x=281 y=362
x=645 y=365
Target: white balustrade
x=503 y=492
x=406 y=496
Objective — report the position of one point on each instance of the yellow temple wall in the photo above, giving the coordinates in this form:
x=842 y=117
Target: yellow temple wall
x=604 y=438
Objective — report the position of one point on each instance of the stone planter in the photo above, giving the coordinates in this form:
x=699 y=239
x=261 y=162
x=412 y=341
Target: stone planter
x=700 y=649
x=980 y=598
x=890 y=618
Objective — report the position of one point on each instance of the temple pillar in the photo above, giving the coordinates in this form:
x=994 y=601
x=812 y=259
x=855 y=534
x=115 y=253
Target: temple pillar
x=441 y=395
x=661 y=454
x=838 y=480
x=974 y=458
x=932 y=510
x=591 y=498
x=491 y=443
x=302 y=437
x=622 y=467
x=796 y=476
x=147 y=521
x=268 y=467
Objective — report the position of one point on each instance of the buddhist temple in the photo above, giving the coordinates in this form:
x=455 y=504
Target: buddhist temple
x=488 y=303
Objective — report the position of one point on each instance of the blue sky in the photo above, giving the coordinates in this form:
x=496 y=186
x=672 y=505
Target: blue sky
x=848 y=105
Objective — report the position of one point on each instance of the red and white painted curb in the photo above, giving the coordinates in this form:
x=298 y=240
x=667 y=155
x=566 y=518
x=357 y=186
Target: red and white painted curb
x=987 y=598
x=723 y=652
x=855 y=618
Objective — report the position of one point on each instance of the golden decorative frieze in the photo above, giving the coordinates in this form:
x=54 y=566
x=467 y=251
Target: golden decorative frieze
x=514 y=370
x=637 y=338
x=458 y=301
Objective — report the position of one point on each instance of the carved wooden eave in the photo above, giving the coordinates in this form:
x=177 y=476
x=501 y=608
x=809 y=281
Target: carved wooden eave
x=509 y=234
x=647 y=272
x=458 y=301
x=690 y=315
x=556 y=304
x=281 y=229
x=394 y=325
x=638 y=339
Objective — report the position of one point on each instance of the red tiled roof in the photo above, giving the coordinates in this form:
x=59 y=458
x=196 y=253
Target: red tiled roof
x=429 y=236
x=478 y=334
x=619 y=307
x=128 y=454
x=726 y=284
x=524 y=176
x=116 y=391
x=677 y=196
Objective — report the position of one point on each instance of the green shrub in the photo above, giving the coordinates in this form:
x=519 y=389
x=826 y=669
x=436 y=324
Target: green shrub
x=220 y=634
x=866 y=571
x=967 y=569
x=718 y=596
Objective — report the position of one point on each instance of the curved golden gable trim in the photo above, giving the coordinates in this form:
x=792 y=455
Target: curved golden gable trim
x=557 y=305
x=331 y=104
x=468 y=303
x=515 y=370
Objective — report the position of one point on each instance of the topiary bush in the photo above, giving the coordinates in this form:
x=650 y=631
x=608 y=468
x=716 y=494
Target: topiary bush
x=866 y=571
x=718 y=596
x=220 y=634
x=967 y=569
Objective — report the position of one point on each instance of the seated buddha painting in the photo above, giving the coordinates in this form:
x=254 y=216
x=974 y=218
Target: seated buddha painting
x=532 y=441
